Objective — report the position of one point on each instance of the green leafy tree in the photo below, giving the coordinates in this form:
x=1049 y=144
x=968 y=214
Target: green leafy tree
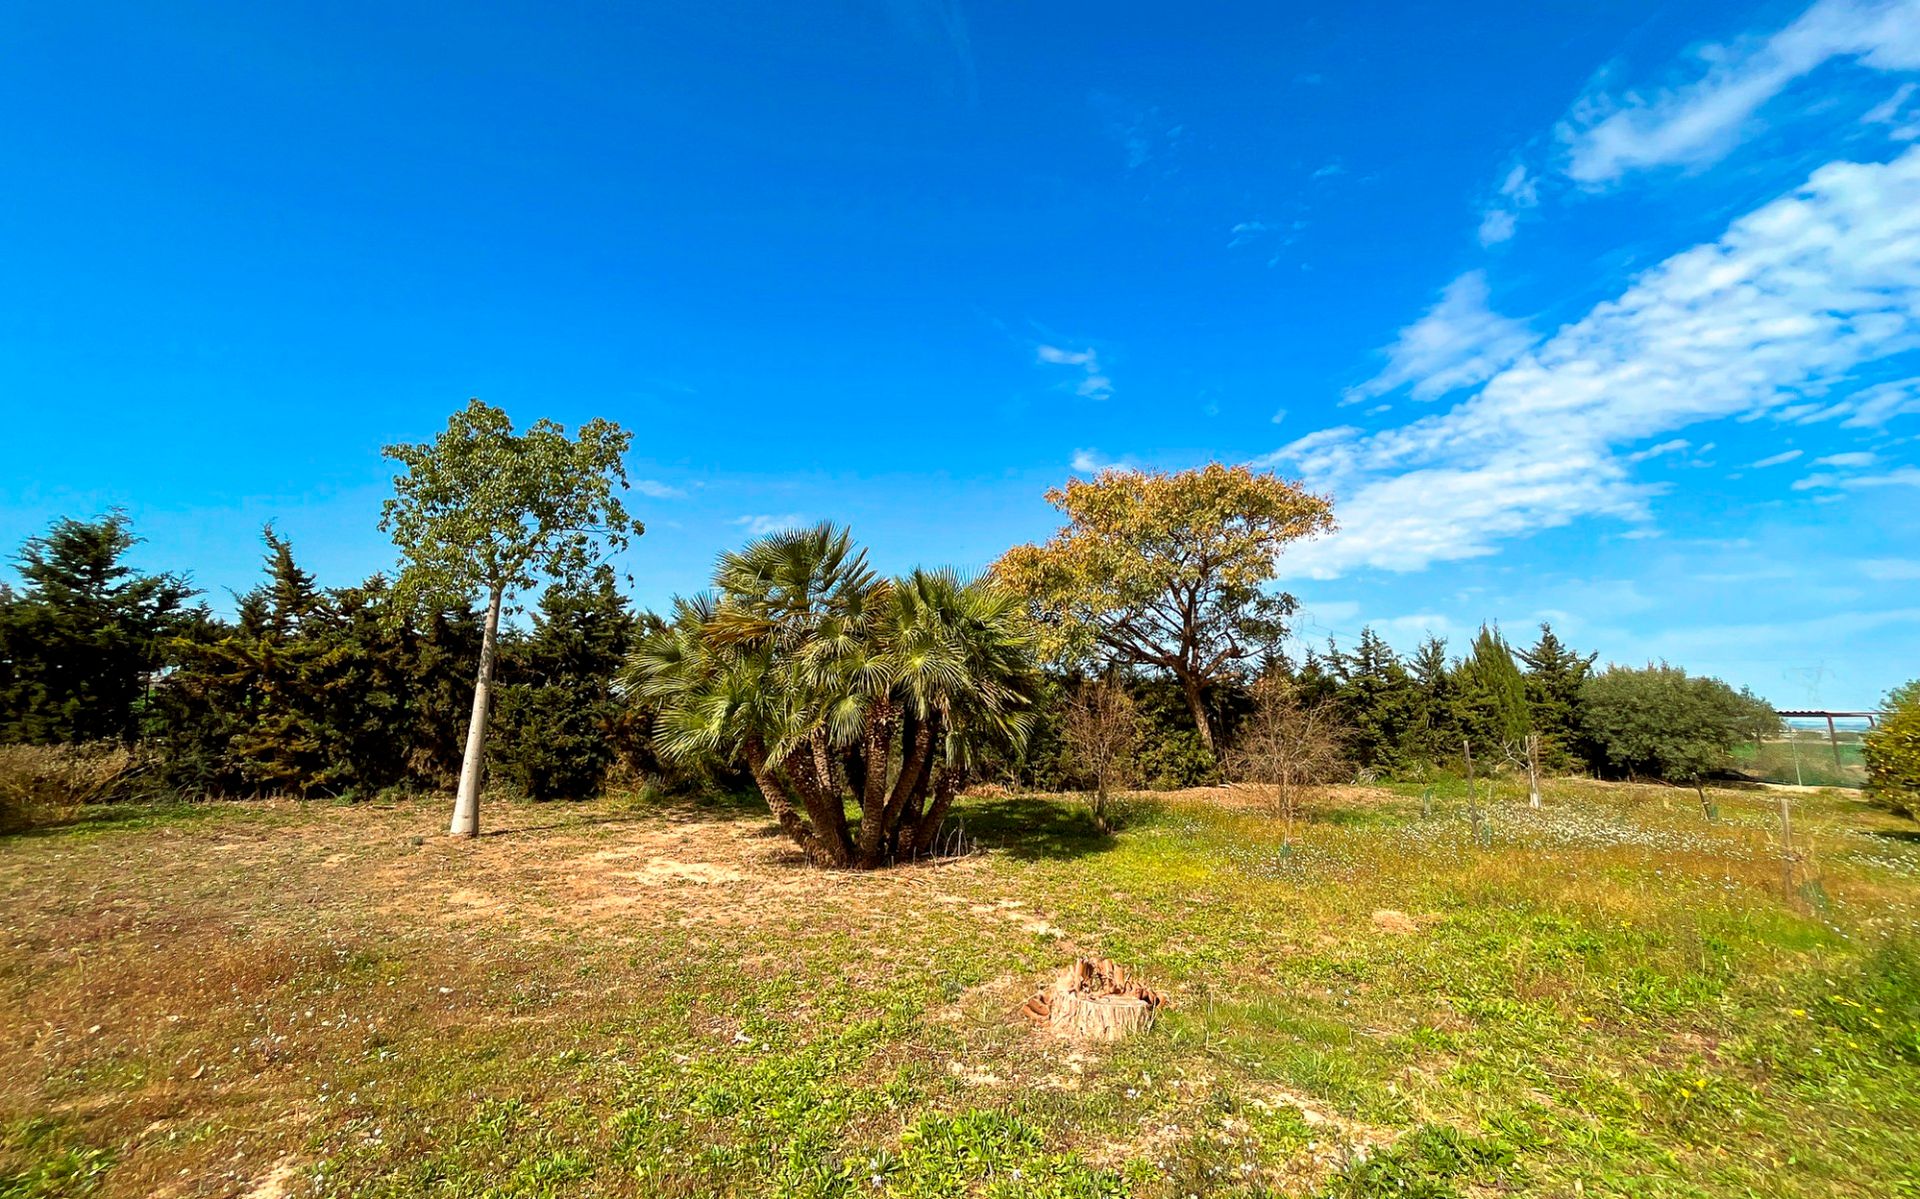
x=1168 y=571
x=838 y=687
x=1893 y=752
x=560 y=722
x=1658 y=722
x=1555 y=674
x=482 y=511
x=85 y=637
x=1493 y=696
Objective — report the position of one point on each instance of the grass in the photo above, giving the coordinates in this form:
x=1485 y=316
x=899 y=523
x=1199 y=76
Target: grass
x=1606 y=996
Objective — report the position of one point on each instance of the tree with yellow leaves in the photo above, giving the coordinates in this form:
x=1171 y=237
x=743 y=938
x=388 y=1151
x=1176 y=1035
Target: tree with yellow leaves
x=1168 y=570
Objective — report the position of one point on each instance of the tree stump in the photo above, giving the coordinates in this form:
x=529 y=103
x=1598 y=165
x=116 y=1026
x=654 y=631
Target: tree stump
x=1095 y=1001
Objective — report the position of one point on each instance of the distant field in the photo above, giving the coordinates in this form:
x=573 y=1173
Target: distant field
x=1808 y=759
x=1610 y=996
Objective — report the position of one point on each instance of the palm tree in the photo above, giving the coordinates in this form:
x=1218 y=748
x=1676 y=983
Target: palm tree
x=833 y=685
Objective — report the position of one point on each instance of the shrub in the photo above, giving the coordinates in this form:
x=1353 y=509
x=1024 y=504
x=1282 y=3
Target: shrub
x=1172 y=760
x=1893 y=753
x=40 y=784
x=553 y=746
x=1660 y=723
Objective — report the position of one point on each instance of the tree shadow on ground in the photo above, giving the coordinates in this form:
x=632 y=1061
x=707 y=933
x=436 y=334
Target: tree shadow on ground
x=129 y=815
x=1030 y=829
x=1894 y=834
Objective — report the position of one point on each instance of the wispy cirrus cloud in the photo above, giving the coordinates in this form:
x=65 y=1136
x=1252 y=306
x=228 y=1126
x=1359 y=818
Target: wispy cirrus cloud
x=1779 y=459
x=761 y=524
x=1677 y=445
x=1904 y=476
x=1092 y=462
x=1518 y=191
x=1890 y=570
x=1691 y=123
x=655 y=489
x=1789 y=303
x=1458 y=342
x=1093 y=384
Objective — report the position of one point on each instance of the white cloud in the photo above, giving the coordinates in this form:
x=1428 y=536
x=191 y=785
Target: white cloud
x=1459 y=342
x=1677 y=445
x=1091 y=462
x=655 y=489
x=1855 y=458
x=761 y=525
x=1779 y=459
x=1694 y=123
x=1876 y=406
x=1094 y=383
x=1888 y=111
x=1062 y=357
x=1788 y=303
x=1890 y=570
x=1519 y=190
x=1905 y=476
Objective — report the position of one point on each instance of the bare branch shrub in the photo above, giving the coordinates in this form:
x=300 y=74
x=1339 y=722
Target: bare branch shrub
x=1286 y=748
x=1102 y=734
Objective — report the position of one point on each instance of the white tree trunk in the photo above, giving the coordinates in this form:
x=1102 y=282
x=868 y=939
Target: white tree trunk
x=1533 y=770
x=473 y=768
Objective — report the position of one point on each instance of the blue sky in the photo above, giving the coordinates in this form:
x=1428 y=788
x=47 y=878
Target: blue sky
x=1603 y=313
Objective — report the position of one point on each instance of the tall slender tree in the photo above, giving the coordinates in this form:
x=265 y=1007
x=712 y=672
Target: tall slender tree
x=1438 y=720
x=482 y=511
x=1493 y=695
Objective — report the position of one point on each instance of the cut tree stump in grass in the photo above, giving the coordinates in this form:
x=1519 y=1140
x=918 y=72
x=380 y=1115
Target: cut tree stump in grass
x=1095 y=1001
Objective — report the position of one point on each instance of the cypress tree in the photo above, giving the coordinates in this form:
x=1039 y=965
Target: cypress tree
x=1554 y=677
x=83 y=641
x=1493 y=694
x=559 y=723
x=1376 y=698
x=1438 y=720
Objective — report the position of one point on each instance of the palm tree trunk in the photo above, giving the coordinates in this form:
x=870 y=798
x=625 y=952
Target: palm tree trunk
x=919 y=839
x=791 y=822
x=473 y=767
x=811 y=770
x=872 y=785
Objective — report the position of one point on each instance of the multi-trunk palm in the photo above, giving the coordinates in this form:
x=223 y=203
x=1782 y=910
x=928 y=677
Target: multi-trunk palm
x=860 y=704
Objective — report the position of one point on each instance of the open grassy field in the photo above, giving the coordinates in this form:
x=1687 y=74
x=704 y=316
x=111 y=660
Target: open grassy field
x=1610 y=996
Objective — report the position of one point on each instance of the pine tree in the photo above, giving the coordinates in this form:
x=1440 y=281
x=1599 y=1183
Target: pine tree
x=83 y=641
x=1376 y=699
x=363 y=690
x=1493 y=694
x=282 y=743
x=1554 y=677
x=1438 y=721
